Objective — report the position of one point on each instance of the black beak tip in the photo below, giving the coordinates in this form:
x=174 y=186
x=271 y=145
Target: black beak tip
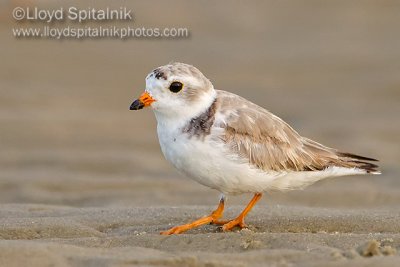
x=136 y=105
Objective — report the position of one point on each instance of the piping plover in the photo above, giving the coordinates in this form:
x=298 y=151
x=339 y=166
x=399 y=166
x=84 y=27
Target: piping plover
x=230 y=144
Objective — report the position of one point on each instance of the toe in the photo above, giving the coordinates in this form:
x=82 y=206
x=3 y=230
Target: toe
x=166 y=232
x=219 y=222
x=232 y=224
x=173 y=230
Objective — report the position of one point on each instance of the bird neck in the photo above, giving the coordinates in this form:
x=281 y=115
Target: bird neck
x=180 y=117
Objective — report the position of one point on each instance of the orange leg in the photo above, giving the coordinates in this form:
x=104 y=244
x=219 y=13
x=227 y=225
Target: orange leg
x=214 y=216
x=239 y=221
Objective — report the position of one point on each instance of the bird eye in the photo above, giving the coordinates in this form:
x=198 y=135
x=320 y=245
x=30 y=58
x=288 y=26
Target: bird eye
x=175 y=87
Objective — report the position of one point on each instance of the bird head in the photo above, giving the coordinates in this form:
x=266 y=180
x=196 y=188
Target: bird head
x=176 y=90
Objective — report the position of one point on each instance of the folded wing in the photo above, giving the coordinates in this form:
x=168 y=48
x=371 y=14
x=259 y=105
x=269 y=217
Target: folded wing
x=270 y=144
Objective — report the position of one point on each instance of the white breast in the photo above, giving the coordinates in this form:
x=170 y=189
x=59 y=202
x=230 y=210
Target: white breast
x=190 y=156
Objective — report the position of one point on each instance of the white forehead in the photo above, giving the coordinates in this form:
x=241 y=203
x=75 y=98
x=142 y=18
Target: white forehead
x=152 y=82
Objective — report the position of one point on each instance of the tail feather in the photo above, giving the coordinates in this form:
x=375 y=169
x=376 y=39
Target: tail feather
x=359 y=162
x=324 y=157
x=354 y=156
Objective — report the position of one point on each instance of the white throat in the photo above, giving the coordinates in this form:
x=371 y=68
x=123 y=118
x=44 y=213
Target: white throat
x=187 y=112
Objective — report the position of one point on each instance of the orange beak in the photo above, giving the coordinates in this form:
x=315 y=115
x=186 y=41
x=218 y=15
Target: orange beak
x=144 y=100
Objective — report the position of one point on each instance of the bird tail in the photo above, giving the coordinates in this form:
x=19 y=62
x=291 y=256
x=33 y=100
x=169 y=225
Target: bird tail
x=359 y=162
x=330 y=157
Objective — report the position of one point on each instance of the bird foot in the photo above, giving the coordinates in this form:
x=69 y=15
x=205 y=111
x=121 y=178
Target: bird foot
x=238 y=222
x=219 y=222
x=229 y=225
x=175 y=230
x=183 y=228
x=213 y=217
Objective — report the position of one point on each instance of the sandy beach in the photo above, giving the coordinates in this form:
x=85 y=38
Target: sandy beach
x=279 y=235
x=83 y=181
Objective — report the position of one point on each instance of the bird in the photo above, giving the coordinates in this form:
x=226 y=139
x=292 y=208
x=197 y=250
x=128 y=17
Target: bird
x=230 y=144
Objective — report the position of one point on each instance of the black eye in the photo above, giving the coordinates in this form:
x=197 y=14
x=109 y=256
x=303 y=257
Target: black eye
x=175 y=87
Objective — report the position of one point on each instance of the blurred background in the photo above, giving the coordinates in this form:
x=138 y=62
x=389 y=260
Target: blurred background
x=329 y=68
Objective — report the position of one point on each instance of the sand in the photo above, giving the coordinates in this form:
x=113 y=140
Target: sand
x=83 y=181
x=279 y=235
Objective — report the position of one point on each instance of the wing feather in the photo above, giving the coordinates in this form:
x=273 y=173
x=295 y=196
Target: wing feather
x=267 y=142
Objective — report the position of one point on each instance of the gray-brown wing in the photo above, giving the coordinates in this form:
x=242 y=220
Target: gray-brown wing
x=267 y=142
